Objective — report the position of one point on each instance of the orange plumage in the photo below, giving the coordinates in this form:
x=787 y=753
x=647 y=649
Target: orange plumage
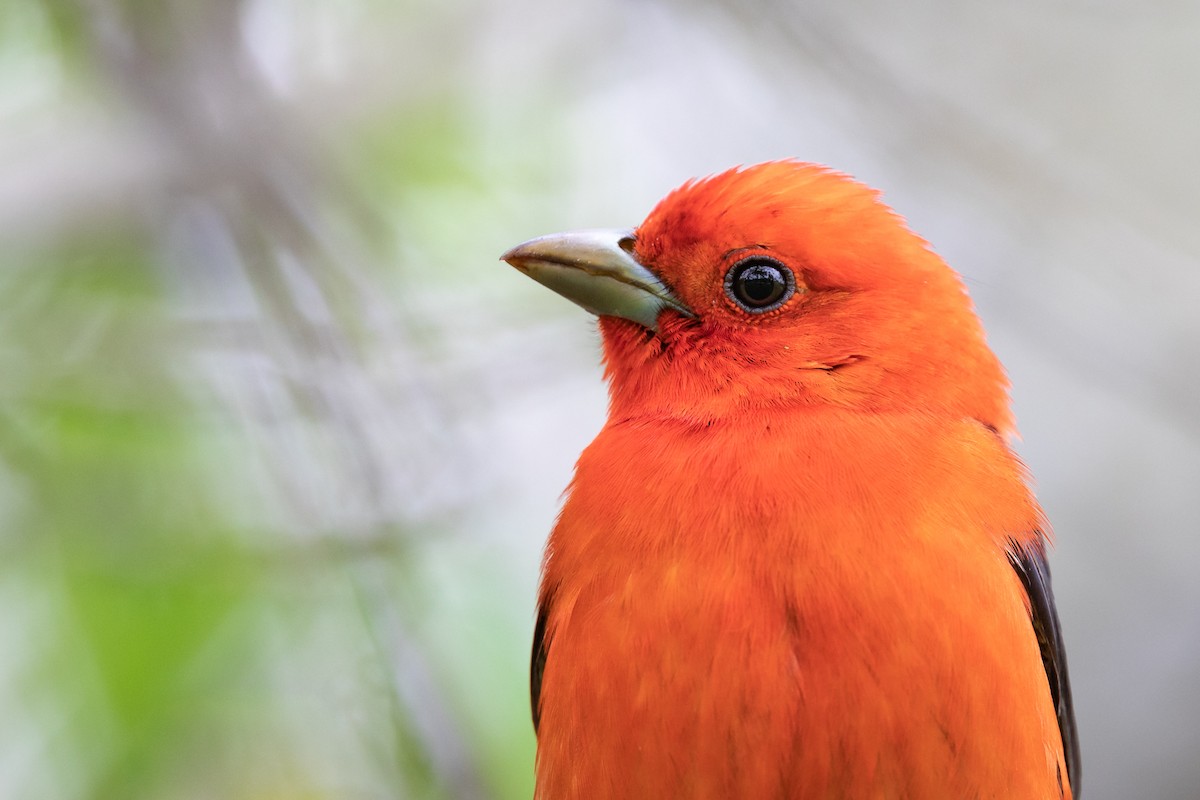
x=800 y=560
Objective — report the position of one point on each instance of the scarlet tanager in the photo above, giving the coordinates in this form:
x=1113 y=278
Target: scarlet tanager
x=801 y=559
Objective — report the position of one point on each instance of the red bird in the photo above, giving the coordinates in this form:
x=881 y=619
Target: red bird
x=801 y=559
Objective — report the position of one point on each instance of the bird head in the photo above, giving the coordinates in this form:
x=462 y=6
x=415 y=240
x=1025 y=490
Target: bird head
x=780 y=284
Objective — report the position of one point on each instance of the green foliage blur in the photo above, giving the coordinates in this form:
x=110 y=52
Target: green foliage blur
x=240 y=548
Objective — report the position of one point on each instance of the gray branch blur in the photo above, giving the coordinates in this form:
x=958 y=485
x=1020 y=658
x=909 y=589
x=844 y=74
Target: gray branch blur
x=279 y=320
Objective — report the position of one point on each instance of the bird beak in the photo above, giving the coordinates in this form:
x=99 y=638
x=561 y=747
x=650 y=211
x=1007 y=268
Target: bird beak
x=597 y=270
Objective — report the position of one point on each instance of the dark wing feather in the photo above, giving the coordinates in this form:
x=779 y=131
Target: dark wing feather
x=1029 y=560
x=537 y=663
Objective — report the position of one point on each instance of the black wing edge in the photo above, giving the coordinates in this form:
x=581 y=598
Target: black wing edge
x=1029 y=560
x=537 y=663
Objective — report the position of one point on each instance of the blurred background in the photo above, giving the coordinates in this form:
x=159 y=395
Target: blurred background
x=281 y=439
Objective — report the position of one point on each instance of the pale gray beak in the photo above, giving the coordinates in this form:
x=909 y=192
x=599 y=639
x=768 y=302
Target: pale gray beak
x=596 y=270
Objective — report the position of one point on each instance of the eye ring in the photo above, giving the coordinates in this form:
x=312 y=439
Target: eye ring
x=759 y=284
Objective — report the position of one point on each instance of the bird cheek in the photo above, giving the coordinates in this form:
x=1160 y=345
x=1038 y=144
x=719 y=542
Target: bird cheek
x=624 y=335
x=672 y=323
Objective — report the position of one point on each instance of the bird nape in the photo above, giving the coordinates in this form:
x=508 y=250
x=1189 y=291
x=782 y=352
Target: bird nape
x=800 y=560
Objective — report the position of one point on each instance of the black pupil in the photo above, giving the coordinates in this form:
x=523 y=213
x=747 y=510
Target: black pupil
x=760 y=285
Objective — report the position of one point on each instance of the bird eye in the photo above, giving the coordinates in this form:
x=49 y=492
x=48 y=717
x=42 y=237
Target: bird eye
x=759 y=284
